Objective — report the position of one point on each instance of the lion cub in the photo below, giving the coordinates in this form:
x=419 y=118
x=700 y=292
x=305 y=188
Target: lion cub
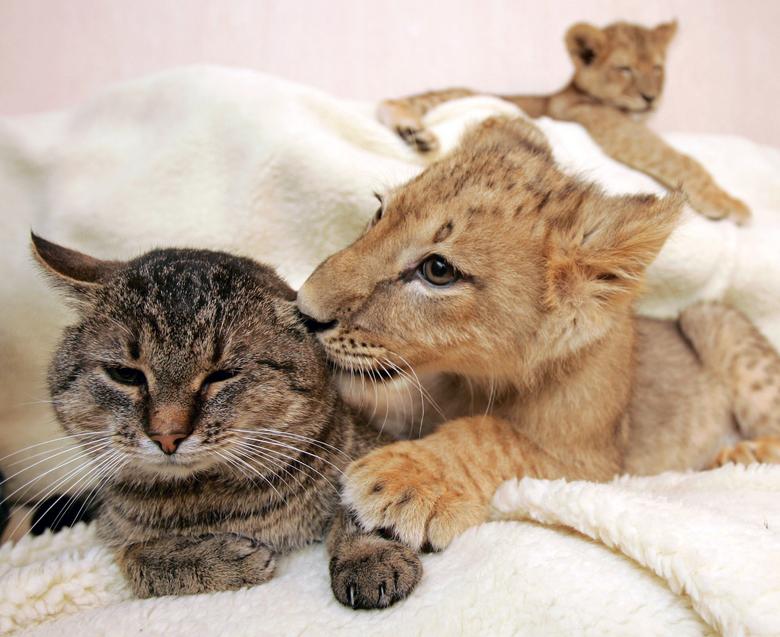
x=617 y=82
x=497 y=272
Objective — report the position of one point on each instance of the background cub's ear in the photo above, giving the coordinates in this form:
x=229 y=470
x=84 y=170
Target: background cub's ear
x=510 y=133
x=78 y=273
x=585 y=43
x=603 y=249
x=665 y=32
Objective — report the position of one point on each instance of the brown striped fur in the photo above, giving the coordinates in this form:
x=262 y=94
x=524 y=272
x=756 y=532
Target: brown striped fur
x=618 y=81
x=532 y=350
x=204 y=355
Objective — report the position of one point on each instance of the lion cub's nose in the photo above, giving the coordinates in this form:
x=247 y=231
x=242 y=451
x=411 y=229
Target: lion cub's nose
x=169 y=442
x=313 y=325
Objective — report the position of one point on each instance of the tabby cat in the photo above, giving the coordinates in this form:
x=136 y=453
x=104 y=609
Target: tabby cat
x=215 y=434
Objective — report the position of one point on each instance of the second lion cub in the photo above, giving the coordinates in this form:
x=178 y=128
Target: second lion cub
x=496 y=271
x=618 y=80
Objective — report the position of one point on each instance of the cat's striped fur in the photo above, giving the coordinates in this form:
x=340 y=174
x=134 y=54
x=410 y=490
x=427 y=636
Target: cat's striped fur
x=217 y=434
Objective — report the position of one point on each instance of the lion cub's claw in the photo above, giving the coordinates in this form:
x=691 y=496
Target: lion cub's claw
x=763 y=450
x=405 y=499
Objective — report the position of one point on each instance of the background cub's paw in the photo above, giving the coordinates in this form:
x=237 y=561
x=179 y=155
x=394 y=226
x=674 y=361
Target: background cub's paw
x=765 y=450
x=371 y=572
x=716 y=204
x=418 y=137
x=412 y=499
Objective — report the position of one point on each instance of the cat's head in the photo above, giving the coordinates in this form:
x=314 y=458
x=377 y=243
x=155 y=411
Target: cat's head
x=182 y=360
x=621 y=65
x=492 y=262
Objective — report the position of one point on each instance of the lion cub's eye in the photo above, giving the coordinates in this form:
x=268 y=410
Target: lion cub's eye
x=126 y=376
x=436 y=270
x=625 y=70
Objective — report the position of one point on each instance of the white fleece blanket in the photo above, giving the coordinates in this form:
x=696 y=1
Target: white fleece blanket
x=677 y=554
x=237 y=160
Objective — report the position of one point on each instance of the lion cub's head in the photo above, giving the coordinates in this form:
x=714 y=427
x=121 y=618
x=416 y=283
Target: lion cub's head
x=491 y=263
x=621 y=65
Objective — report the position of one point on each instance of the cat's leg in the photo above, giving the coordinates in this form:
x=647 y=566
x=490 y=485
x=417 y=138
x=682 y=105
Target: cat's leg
x=180 y=565
x=404 y=116
x=368 y=570
x=425 y=492
x=635 y=145
x=732 y=347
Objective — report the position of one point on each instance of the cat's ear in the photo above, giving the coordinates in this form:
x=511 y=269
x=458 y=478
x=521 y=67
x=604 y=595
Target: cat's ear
x=585 y=43
x=79 y=274
x=601 y=251
x=665 y=32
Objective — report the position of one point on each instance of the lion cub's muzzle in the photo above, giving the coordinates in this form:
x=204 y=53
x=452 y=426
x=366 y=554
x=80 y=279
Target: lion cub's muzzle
x=314 y=326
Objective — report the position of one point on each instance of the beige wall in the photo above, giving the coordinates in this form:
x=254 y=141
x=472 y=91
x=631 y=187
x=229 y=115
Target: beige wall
x=722 y=70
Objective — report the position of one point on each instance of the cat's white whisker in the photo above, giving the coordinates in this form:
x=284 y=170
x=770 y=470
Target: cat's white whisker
x=254 y=452
x=94 y=476
x=90 y=446
x=307 y=466
x=292 y=448
x=301 y=437
x=228 y=454
x=52 y=490
x=80 y=457
x=50 y=442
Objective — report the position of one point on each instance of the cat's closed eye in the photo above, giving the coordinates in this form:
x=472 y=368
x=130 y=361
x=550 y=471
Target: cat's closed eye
x=219 y=376
x=126 y=376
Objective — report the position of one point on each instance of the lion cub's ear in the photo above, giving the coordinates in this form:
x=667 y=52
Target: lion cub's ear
x=77 y=273
x=665 y=32
x=509 y=133
x=585 y=43
x=602 y=250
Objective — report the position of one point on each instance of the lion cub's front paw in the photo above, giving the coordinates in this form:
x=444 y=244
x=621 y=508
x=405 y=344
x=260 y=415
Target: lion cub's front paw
x=372 y=572
x=717 y=204
x=765 y=450
x=405 y=492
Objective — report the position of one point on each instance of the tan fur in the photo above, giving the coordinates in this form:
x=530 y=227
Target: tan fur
x=617 y=82
x=539 y=329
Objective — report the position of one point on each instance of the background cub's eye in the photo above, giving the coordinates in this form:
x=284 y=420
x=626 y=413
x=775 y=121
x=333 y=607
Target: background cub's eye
x=625 y=70
x=126 y=376
x=437 y=270
x=219 y=376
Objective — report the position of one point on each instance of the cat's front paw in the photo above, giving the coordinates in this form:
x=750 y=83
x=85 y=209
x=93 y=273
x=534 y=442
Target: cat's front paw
x=372 y=572
x=764 y=450
x=192 y=565
x=716 y=204
x=402 y=490
x=244 y=557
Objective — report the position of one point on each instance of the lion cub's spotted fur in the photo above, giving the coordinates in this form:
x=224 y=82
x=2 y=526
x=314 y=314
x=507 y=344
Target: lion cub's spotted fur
x=545 y=370
x=618 y=80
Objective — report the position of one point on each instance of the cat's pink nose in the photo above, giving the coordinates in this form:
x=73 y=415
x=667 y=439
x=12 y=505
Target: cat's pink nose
x=169 y=442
